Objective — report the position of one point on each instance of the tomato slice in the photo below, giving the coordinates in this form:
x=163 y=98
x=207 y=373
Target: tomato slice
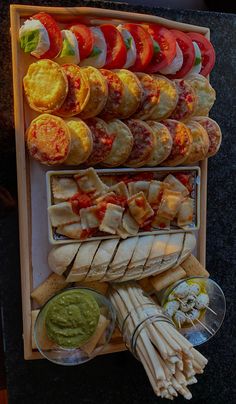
x=85 y=39
x=116 y=49
x=187 y=49
x=144 y=46
x=207 y=52
x=54 y=34
x=165 y=40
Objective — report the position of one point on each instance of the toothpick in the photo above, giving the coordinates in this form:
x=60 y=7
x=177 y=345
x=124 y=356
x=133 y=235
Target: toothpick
x=204 y=326
x=179 y=324
x=209 y=308
x=190 y=320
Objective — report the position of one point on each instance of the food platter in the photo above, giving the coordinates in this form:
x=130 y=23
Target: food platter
x=31 y=176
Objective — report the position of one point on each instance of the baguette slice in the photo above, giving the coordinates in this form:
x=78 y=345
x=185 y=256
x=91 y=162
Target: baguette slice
x=59 y=258
x=83 y=261
x=188 y=247
x=157 y=250
x=121 y=259
x=139 y=258
x=102 y=259
x=173 y=250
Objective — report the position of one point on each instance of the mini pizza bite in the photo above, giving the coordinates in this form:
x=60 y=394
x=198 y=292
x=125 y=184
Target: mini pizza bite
x=63 y=188
x=89 y=182
x=139 y=208
x=162 y=143
x=62 y=213
x=102 y=141
x=182 y=141
x=81 y=141
x=214 y=133
x=48 y=139
x=78 y=91
x=143 y=143
x=175 y=184
x=170 y=204
x=185 y=213
x=116 y=92
x=187 y=100
x=98 y=93
x=205 y=94
x=122 y=144
x=200 y=144
x=150 y=96
x=168 y=98
x=132 y=94
x=45 y=85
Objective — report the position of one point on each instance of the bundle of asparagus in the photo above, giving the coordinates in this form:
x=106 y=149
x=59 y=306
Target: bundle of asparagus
x=170 y=361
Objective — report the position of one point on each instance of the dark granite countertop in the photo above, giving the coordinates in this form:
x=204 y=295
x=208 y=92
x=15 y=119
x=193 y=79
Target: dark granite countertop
x=119 y=378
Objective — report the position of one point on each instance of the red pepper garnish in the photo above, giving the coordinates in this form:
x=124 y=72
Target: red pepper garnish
x=79 y=201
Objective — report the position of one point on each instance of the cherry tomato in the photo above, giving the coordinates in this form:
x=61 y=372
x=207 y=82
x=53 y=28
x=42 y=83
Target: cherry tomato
x=207 y=52
x=187 y=49
x=85 y=39
x=54 y=34
x=166 y=47
x=144 y=46
x=116 y=49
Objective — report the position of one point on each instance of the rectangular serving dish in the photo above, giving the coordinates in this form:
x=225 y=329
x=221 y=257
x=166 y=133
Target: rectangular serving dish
x=160 y=172
x=32 y=200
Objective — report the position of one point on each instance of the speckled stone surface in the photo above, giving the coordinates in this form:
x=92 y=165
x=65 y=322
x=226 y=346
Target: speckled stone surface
x=119 y=378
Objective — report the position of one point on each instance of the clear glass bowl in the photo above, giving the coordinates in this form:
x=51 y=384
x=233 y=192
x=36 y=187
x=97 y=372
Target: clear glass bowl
x=209 y=323
x=73 y=356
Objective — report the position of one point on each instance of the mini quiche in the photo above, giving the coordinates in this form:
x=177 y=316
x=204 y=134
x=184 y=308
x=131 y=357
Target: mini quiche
x=182 y=141
x=122 y=145
x=143 y=143
x=81 y=141
x=168 y=98
x=214 y=133
x=98 y=93
x=205 y=93
x=162 y=143
x=48 y=139
x=78 y=91
x=102 y=141
x=150 y=96
x=200 y=145
x=187 y=100
x=115 y=94
x=132 y=94
x=45 y=86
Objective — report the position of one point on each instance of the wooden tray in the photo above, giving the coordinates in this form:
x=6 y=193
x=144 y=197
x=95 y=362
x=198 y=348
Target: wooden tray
x=31 y=175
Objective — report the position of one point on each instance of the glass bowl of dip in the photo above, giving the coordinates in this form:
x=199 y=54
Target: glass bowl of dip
x=74 y=326
x=202 y=304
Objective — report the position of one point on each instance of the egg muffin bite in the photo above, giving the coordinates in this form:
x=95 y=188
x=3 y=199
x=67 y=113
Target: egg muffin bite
x=78 y=91
x=182 y=141
x=168 y=98
x=45 y=85
x=122 y=144
x=98 y=93
x=187 y=101
x=200 y=145
x=102 y=141
x=214 y=133
x=205 y=93
x=162 y=143
x=150 y=96
x=143 y=143
x=116 y=92
x=48 y=139
x=132 y=94
x=81 y=141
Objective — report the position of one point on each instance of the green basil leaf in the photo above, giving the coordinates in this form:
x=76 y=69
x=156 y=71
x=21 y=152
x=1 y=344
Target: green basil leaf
x=67 y=49
x=156 y=47
x=197 y=61
x=29 y=41
x=128 y=43
x=95 y=52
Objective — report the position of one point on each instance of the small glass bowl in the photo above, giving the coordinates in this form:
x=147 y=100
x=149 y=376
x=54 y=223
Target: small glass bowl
x=199 y=333
x=73 y=356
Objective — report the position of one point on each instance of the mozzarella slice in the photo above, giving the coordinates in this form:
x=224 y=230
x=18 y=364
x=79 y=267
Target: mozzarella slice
x=177 y=63
x=70 y=49
x=130 y=45
x=34 y=38
x=98 y=60
x=197 y=67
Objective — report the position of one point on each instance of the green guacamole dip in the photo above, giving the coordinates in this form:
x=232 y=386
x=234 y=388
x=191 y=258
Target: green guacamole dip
x=71 y=318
